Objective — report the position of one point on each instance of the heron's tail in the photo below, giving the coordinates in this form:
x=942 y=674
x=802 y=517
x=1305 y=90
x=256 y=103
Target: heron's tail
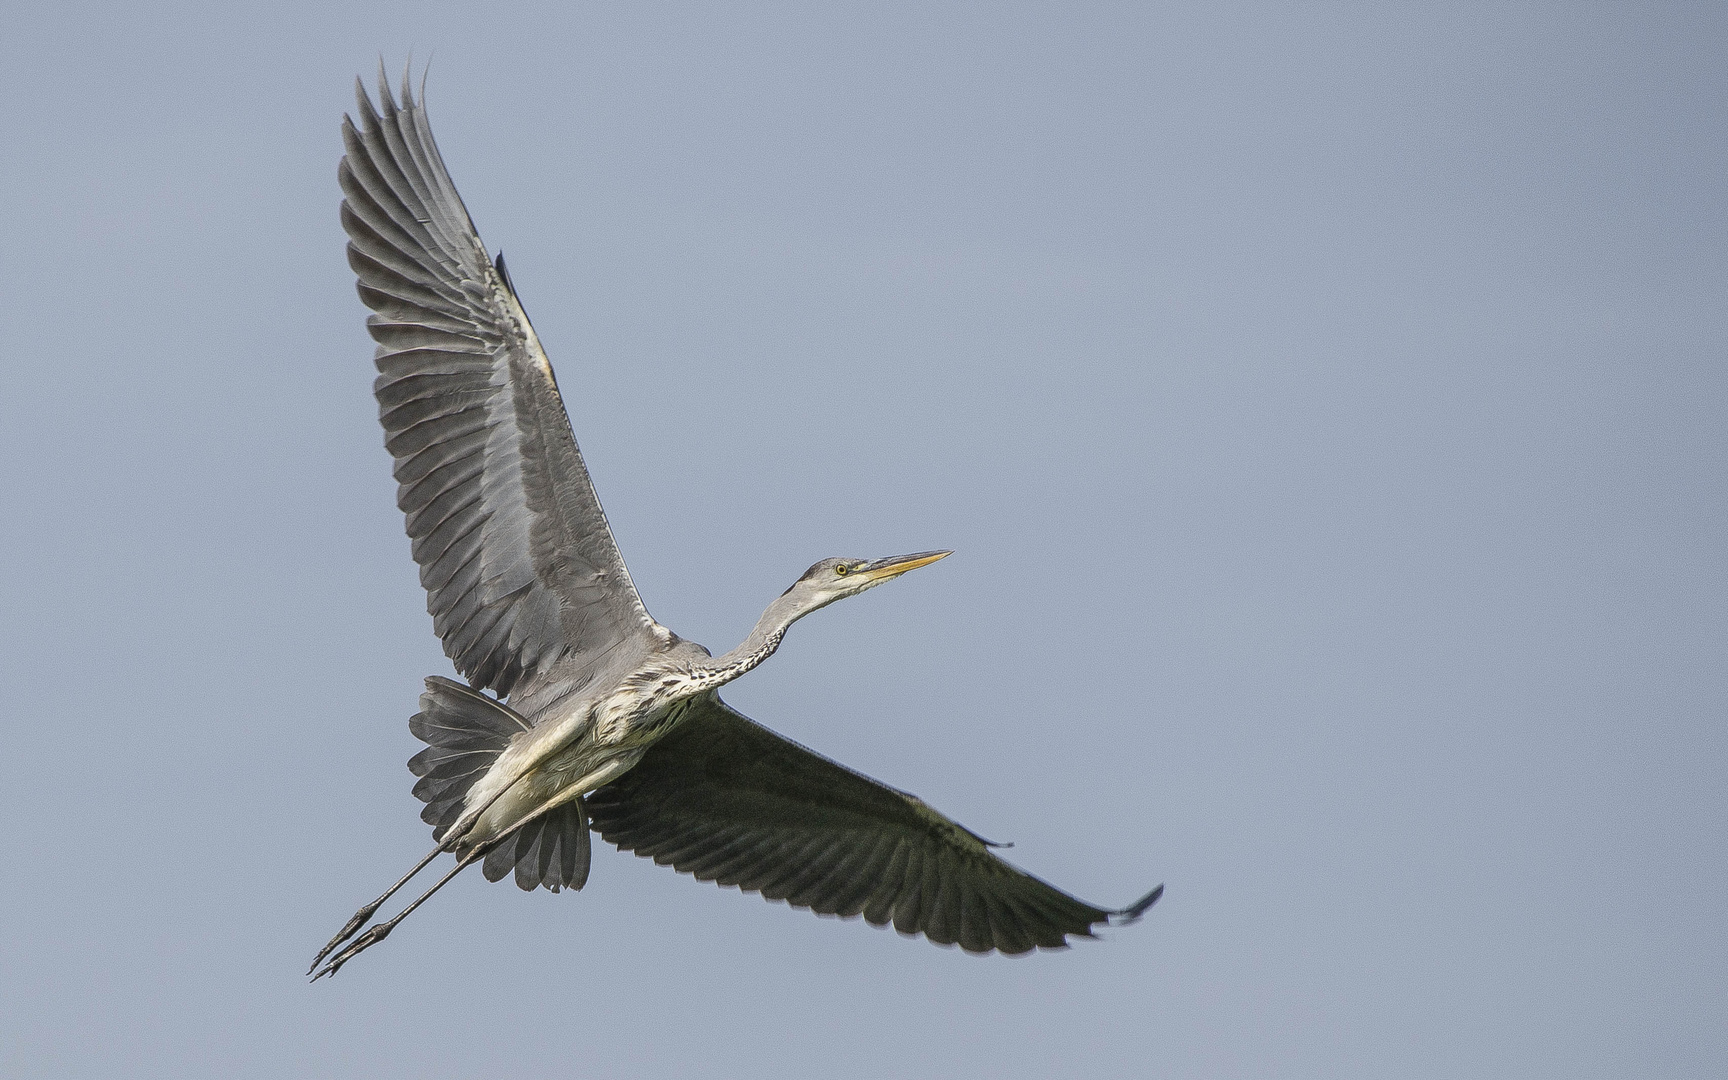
x=464 y=732
x=553 y=850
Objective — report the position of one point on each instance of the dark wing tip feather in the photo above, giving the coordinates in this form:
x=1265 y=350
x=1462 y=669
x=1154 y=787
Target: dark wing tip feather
x=1132 y=913
x=387 y=100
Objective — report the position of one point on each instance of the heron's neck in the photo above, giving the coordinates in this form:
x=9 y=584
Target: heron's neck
x=759 y=646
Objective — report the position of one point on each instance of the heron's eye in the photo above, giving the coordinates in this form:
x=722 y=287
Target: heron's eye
x=842 y=569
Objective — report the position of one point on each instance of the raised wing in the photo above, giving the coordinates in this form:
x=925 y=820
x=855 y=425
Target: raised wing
x=519 y=565
x=729 y=801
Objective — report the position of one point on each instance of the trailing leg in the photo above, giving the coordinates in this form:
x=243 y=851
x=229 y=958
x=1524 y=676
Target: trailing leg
x=464 y=731
x=379 y=932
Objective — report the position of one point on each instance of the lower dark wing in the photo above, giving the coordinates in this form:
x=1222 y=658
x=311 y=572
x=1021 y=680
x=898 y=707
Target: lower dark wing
x=729 y=801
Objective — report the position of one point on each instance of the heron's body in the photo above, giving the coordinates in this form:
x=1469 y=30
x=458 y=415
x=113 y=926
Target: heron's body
x=579 y=742
x=599 y=717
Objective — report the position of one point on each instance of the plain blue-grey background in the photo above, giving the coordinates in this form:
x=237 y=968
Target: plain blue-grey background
x=1325 y=404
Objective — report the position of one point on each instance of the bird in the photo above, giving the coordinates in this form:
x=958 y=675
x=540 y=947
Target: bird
x=580 y=713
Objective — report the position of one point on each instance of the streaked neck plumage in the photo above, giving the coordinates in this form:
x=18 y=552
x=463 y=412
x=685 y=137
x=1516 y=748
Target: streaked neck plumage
x=759 y=645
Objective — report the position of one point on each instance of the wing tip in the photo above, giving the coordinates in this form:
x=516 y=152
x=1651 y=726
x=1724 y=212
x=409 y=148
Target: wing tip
x=389 y=101
x=1131 y=914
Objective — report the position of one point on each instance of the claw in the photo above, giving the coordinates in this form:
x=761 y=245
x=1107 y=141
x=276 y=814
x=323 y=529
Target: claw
x=361 y=944
x=361 y=918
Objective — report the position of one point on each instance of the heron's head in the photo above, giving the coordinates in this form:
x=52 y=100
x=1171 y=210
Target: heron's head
x=836 y=579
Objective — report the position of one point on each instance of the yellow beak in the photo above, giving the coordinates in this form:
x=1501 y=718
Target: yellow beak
x=884 y=569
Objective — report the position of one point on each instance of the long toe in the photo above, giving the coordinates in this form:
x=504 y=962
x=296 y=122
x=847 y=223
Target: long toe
x=360 y=919
x=361 y=944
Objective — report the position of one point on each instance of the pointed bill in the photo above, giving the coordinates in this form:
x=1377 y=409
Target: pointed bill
x=892 y=567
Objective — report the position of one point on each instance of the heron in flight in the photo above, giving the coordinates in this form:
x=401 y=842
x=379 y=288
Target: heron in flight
x=599 y=718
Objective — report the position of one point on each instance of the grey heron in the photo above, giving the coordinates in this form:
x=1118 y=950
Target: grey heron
x=599 y=718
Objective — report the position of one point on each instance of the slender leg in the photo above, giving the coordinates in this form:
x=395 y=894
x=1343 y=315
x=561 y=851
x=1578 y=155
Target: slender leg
x=382 y=930
x=458 y=830
x=364 y=915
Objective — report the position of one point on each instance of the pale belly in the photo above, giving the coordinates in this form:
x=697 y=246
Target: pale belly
x=596 y=751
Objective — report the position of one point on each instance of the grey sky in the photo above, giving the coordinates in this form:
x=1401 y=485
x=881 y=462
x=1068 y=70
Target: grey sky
x=1325 y=404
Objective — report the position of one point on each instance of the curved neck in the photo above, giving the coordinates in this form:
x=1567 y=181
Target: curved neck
x=757 y=647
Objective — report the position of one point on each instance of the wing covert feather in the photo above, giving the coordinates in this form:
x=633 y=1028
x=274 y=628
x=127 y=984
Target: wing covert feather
x=727 y=800
x=518 y=562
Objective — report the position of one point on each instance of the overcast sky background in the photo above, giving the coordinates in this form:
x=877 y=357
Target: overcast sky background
x=1326 y=406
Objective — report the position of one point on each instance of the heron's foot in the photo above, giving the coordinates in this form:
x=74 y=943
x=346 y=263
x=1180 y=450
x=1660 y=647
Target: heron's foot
x=361 y=944
x=361 y=918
